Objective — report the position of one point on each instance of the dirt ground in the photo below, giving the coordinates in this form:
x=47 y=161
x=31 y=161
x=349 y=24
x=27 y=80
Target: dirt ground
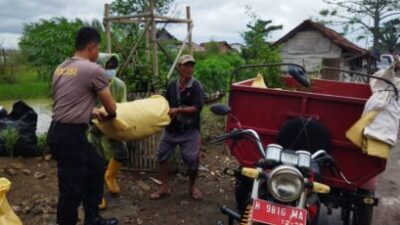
x=34 y=197
x=34 y=191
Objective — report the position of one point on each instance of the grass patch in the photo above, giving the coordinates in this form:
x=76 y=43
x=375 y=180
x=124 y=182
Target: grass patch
x=29 y=90
x=26 y=85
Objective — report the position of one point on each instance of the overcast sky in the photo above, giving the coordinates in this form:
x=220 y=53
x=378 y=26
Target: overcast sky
x=213 y=19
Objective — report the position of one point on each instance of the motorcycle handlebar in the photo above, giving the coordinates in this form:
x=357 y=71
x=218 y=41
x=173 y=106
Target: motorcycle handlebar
x=239 y=133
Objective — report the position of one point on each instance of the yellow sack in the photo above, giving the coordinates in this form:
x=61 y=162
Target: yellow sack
x=259 y=82
x=137 y=120
x=7 y=215
x=355 y=133
x=369 y=145
x=376 y=148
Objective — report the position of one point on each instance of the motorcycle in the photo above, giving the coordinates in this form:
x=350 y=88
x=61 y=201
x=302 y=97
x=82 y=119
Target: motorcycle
x=284 y=189
x=293 y=153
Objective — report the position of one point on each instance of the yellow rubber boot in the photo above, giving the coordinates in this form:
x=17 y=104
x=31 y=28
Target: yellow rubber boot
x=103 y=204
x=111 y=176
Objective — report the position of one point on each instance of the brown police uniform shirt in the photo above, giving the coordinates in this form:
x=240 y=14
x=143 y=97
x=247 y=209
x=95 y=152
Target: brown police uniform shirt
x=75 y=83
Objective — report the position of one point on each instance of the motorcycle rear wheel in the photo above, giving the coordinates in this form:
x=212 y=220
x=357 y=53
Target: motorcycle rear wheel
x=362 y=214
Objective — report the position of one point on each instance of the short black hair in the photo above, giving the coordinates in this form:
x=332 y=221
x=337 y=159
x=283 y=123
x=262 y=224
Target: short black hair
x=85 y=36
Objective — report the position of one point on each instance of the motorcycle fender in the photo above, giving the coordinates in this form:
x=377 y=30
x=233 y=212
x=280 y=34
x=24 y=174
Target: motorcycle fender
x=370 y=185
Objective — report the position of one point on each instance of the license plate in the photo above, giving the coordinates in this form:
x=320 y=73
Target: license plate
x=276 y=214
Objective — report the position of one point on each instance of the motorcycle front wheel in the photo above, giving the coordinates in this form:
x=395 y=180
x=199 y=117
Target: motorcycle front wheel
x=246 y=216
x=243 y=187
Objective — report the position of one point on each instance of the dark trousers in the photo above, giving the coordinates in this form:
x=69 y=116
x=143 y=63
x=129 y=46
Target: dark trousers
x=80 y=172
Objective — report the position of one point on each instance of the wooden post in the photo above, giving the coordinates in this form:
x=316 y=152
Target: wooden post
x=154 y=39
x=107 y=26
x=147 y=46
x=189 y=25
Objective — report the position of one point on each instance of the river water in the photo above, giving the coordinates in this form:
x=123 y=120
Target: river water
x=41 y=106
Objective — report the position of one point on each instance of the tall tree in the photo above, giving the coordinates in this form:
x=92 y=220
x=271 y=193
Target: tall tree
x=256 y=37
x=129 y=7
x=391 y=35
x=356 y=16
x=258 y=51
x=48 y=42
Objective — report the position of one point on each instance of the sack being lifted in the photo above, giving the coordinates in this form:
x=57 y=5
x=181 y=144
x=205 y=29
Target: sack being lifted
x=7 y=215
x=137 y=120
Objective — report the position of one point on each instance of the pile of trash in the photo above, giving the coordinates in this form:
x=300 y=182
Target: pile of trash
x=17 y=131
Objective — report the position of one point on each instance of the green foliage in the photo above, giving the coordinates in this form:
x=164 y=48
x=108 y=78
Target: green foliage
x=24 y=90
x=390 y=40
x=27 y=85
x=364 y=18
x=138 y=78
x=8 y=73
x=129 y=7
x=324 y=12
x=213 y=73
x=10 y=137
x=10 y=65
x=42 y=143
x=212 y=48
x=139 y=73
x=257 y=51
x=48 y=42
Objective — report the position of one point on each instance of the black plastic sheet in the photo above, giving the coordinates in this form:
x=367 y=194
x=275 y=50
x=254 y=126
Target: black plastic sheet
x=23 y=119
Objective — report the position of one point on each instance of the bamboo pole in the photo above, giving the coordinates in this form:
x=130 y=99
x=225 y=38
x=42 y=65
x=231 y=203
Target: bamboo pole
x=147 y=46
x=107 y=27
x=189 y=25
x=154 y=39
x=144 y=20
x=135 y=47
x=172 y=19
x=112 y=18
x=171 y=69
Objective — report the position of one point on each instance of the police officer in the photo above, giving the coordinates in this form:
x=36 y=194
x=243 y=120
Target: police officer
x=77 y=83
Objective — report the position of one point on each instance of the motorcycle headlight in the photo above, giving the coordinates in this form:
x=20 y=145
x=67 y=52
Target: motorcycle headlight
x=285 y=183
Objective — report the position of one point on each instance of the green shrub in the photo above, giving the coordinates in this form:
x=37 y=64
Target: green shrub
x=215 y=71
x=42 y=143
x=10 y=137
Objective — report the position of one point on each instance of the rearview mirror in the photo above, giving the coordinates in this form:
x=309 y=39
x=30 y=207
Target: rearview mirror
x=299 y=74
x=220 y=109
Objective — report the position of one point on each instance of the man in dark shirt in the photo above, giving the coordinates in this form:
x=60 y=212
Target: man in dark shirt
x=77 y=83
x=186 y=98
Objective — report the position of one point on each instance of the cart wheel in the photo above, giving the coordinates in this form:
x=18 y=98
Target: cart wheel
x=362 y=214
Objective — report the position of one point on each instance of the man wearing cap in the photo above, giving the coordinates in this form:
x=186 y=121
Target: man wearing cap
x=186 y=98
